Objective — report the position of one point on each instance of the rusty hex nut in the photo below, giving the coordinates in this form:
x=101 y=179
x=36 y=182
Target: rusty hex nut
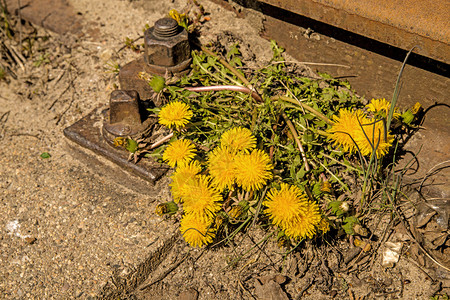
x=166 y=44
x=125 y=116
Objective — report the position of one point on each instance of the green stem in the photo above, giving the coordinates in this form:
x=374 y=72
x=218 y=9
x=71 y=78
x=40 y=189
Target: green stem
x=304 y=106
x=335 y=177
x=196 y=61
x=228 y=66
x=341 y=163
x=234 y=232
x=397 y=90
x=226 y=76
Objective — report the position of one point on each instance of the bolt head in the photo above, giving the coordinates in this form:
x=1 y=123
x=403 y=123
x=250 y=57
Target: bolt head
x=124 y=107
x=165 y=44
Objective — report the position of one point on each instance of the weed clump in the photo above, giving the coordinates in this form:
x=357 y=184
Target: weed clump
x=272 y=148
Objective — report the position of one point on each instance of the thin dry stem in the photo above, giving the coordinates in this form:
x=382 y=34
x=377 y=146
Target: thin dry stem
x=297 y=140
x=310 y=63
x=161 y=141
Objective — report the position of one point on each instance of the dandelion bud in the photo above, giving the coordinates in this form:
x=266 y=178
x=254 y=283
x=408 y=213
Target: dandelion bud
x=282 y=240
x=407 y=117
x=416 y=108
x=120 y=142
x=239 y=210
x=323 y=226
x=167 y=208
x=363 y=245
x=219 y=220
x=325 y=187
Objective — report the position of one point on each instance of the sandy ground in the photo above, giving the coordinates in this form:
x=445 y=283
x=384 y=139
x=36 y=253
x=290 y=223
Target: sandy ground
x=67 y=226
x=64 y=227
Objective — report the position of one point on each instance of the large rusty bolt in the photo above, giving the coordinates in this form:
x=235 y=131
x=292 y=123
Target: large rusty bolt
x=167 y=52
x=167 y=45
x=125 y=116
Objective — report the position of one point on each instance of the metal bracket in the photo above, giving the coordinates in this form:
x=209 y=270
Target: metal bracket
x=87 y=132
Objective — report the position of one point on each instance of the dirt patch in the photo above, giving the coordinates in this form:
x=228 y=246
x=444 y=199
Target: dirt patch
x=70 y=229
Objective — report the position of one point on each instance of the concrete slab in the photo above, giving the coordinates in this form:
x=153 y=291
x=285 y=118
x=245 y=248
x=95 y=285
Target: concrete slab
x=400 y=23
x=56 y=15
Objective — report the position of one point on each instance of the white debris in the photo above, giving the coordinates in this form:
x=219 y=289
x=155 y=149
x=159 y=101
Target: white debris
x=13 y=228
x=391 y=254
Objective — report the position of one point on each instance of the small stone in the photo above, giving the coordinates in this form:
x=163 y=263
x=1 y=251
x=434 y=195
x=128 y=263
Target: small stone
x=30 y=240
x=190 y=294
x=280 y=279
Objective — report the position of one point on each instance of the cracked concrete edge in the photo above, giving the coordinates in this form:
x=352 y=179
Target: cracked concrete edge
x=120 y=286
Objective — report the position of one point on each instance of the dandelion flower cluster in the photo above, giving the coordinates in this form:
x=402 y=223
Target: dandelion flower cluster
x=201 y=202
x=379 y=105
x=372 y=136
x=290 y=210
x=179 y=152
x=235 y=162
x=175 y=114
x=345 y=128
x=353 y=130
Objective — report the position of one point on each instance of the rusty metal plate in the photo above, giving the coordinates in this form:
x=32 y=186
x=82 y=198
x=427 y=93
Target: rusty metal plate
x=400 y=23
x=87 y=132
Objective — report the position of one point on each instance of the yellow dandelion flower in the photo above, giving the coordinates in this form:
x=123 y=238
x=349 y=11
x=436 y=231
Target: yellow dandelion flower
x=381 y=107
x=221 y=167
x=415 y=109
x=377 y=105
x=289 y=209
x=372 y=136
x=197 y=231
x=252 y=170
x=283 y=205
x=185 y=174
x=344 y=127
x=238 y=139
x=179 y=152
x=200 y=198
x=304 y=225
x=175 y=114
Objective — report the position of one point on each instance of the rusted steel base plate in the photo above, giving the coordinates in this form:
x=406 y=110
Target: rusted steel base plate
x=87 y=132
